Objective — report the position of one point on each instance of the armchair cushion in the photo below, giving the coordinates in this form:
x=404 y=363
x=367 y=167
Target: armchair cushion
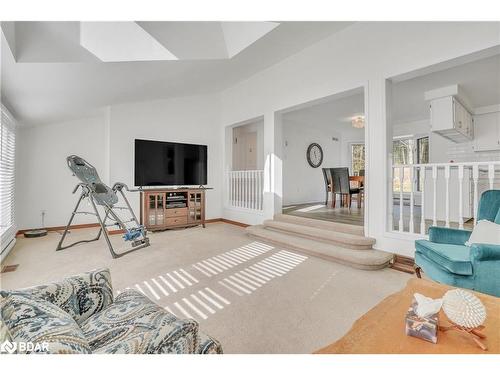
x=135 y=324
x=454 y=258
x=37 y=322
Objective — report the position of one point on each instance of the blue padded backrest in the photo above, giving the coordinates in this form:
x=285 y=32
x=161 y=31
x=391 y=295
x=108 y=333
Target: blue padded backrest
x=489 y=206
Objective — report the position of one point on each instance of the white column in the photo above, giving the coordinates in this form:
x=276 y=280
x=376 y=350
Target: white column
x=273 y=165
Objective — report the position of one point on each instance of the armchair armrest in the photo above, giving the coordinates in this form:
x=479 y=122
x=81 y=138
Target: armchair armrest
x=448 y=235
x=80 y=296
x=484 y=252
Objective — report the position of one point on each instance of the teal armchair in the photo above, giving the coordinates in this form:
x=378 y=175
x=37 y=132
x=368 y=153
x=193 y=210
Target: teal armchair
x=445 y=258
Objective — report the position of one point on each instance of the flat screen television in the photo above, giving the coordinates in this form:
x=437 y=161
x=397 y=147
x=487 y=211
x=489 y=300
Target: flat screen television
x=169 y=164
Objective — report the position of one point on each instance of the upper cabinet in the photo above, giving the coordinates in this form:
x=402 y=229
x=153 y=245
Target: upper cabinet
x=487 y=132
x=451 y=119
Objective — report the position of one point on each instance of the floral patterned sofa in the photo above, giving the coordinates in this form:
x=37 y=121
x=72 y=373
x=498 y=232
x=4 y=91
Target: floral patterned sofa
x=79 y=315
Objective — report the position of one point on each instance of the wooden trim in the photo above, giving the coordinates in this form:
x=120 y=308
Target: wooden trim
x=121 y=231
x=404 y=264
x=76 y=226
x=237 y=223
x=54 y=229
x=221 y=220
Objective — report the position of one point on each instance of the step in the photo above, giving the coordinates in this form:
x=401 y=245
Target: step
x=347 y=240
x=321 y=224
x=366 y=259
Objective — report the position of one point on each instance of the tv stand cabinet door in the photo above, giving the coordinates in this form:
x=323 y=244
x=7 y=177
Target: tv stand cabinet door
x=154 y=210
x=196 y=207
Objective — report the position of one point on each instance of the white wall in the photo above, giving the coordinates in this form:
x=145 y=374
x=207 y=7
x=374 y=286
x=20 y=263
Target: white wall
x=301 y=182
x=245 y=154
x=187 y=120
x=365 y=54
x=45 y=183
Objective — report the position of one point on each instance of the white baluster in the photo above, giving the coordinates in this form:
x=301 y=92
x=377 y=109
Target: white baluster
x=391 y=202
x=447 y=182
x=475 y=177
x=411 y=224
x=422 y=204
x=491 y=174
x=245 y=186
x=401 y=179
x=460 y=197
x=434 y=202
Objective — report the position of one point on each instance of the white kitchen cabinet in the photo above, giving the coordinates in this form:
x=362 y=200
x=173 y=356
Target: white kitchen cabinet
x=450 y=119
x=487 y=132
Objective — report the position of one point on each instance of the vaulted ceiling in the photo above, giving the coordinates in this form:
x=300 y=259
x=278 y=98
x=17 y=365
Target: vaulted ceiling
x=54 y=71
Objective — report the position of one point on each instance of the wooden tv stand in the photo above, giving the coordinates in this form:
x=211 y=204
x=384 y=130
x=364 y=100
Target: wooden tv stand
x=172 y=208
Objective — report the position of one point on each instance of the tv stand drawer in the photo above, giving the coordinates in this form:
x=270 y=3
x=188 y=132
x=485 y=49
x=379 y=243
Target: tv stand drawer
x=176 y=212
x=176 y=220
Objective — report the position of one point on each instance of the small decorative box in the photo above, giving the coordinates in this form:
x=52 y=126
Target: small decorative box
x=423 y=328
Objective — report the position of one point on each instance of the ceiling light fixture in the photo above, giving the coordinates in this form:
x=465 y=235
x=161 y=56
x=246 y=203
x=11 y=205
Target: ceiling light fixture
x=358 y=122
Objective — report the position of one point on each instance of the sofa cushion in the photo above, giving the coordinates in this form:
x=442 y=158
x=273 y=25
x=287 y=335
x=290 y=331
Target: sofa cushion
x=486 y=232
x=38 y=326
x=454 y=258
x=135 y=324
x=80 y=296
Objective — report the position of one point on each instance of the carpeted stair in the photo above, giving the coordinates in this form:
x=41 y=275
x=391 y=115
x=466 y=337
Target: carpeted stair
x=342 y=243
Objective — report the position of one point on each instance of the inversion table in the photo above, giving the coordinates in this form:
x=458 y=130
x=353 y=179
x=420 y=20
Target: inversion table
x=99 y=194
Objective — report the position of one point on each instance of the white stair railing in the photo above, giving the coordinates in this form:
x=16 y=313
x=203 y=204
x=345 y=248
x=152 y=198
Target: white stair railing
x=443 y=194
x=245 y=189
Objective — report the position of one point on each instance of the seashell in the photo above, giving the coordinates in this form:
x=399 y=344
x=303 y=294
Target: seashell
x=464 y=308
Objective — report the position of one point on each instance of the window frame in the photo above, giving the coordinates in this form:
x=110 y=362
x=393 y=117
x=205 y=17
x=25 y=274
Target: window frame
x=8 y=128
x=351 y=154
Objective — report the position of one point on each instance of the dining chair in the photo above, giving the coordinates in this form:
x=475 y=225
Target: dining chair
x=327 y=176
x=342 y=186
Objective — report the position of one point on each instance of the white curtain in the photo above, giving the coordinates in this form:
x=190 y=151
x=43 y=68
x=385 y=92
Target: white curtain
x=7 y=179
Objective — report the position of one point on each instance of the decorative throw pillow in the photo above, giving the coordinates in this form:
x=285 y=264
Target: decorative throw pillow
x=485 y=232
x=38 y=326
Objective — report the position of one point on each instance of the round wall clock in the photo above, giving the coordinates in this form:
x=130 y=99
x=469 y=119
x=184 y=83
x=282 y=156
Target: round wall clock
x=314 y=155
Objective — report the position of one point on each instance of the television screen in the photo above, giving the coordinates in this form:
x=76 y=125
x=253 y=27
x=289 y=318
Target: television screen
x=167 y=163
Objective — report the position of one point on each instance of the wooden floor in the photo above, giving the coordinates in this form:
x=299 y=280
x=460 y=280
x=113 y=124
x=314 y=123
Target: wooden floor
x=355 y=215
x=316 y=210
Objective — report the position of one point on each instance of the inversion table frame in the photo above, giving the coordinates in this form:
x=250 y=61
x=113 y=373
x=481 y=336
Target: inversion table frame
x=100 y=194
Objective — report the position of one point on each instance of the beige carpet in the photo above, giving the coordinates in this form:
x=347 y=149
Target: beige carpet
x=253 y=297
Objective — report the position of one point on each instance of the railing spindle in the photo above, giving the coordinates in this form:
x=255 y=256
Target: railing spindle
x=422 y=203
x=460 y=197
x=401 y=179
x=411 y=223
x=475 y=177
x=491 y=175
x=447 y=182
x=434 y=202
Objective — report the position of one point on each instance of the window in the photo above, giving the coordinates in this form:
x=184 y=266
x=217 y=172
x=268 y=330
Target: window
x=358 y=158
x=406 y=151
x=7 y=158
